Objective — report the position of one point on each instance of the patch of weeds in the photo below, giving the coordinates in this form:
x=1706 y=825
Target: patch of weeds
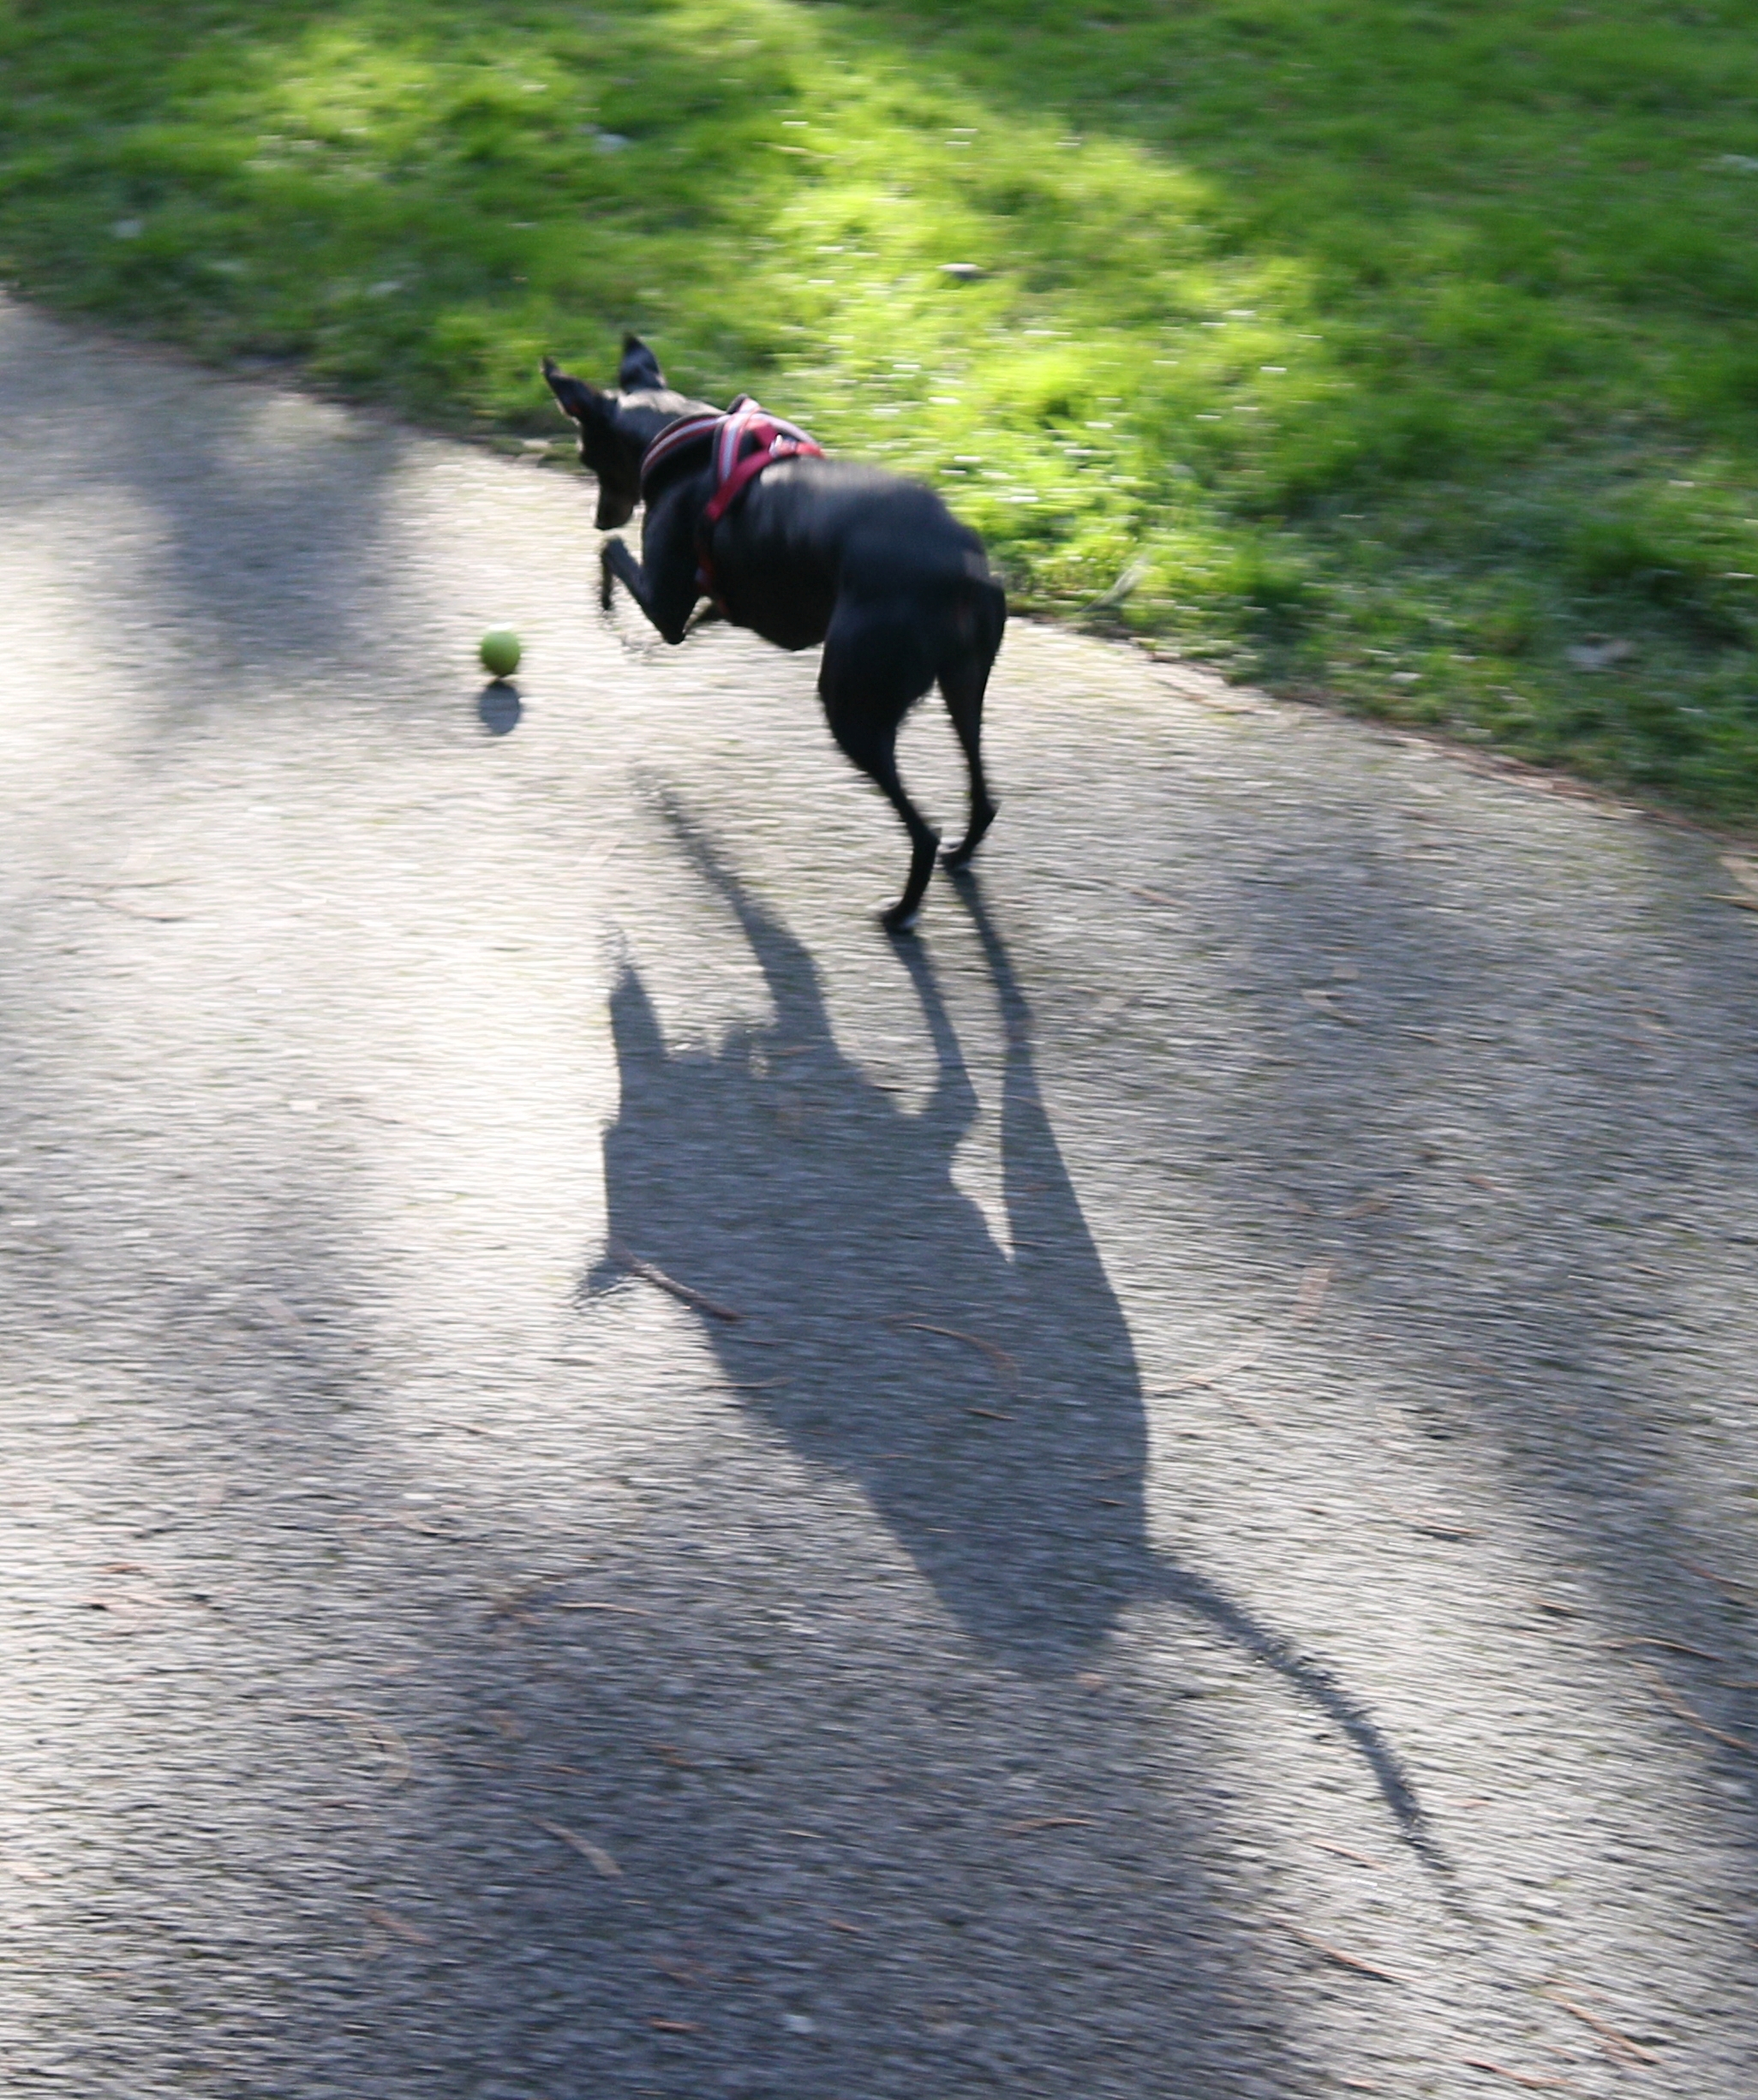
x=1404 y=354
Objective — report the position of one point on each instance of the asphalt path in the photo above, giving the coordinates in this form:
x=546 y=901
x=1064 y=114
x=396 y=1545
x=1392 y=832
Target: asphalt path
x=615 y=1485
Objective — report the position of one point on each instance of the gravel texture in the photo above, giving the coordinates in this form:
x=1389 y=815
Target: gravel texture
x=1217 y=1558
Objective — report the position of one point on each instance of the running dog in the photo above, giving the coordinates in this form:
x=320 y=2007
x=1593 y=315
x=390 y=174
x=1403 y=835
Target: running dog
x=745 y=510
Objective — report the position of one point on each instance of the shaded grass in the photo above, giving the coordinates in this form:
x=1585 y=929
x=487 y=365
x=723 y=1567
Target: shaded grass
x=1403 y=354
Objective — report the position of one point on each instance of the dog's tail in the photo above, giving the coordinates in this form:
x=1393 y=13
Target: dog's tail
x=1314 y=1682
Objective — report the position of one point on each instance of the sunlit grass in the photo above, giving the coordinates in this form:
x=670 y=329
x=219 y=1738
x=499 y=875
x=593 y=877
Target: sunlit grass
x=1403 y=354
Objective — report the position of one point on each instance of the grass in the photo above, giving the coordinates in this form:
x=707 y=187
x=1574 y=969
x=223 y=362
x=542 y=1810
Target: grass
x=1402 y=354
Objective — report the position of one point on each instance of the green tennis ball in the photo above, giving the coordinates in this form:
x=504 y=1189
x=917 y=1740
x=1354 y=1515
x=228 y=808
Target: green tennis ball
x=500 y=652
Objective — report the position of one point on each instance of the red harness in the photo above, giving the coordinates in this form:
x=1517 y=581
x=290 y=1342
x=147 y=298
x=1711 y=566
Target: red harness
x=745 y=440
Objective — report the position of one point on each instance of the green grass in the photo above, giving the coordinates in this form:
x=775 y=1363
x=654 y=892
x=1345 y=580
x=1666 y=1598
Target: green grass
x=1401 y=354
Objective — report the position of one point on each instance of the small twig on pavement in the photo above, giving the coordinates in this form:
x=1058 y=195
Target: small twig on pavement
x=1677 y=1647
x=1251 y=1413
x=518 y=1595
x=1739 y=1593
x=379 y=1738
x=126 y=911
x=1687 y=1712
x=400 y=1926
x=1309 y=1299
x=1418 y=1520
x=596 y=1854
x=996 y=1354
x=1343 y=1851
x=683 y=1293
x=1239 y=1359
x=1342 y=1959
x=1530 y=2080
x=1603 y=2028
x=1369 y=1206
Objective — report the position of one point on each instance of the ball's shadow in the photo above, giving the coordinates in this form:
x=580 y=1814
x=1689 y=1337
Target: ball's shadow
x=499 y=706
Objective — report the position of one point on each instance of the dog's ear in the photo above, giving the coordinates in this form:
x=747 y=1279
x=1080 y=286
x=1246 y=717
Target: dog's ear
x=639 y=367
x=609 y=452
x=577 y=400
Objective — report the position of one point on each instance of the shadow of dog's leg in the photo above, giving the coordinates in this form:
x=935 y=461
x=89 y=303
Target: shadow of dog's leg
x=876 y=664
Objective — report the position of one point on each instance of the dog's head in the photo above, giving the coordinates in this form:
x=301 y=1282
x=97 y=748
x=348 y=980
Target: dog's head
x=617 y=425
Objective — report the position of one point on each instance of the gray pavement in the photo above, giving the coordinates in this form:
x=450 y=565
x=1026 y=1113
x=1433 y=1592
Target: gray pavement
x=1218 y=1556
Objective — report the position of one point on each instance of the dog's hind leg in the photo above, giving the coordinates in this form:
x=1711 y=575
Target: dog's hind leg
x=875 y=666
x=964 y=680
x=875 y=754
x=962 y=690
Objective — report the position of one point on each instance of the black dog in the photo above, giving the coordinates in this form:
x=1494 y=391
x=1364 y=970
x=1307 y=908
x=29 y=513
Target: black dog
x=812 y=550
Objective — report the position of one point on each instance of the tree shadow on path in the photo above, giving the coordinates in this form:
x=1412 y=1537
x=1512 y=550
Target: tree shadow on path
x=987 y=1403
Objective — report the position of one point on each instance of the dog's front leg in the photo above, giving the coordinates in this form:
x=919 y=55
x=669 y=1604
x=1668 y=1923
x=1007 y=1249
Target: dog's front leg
x=618 y=565
x=664 y=585
x=615 y=561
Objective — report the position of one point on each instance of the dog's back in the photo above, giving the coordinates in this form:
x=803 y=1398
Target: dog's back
x=810 y=531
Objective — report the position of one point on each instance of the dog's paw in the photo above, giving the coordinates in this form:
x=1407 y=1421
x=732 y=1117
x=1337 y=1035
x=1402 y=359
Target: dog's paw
x=898 y=921
x=957 y=857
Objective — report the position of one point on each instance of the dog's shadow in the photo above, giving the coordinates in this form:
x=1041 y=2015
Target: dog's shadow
x=986 y=1400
